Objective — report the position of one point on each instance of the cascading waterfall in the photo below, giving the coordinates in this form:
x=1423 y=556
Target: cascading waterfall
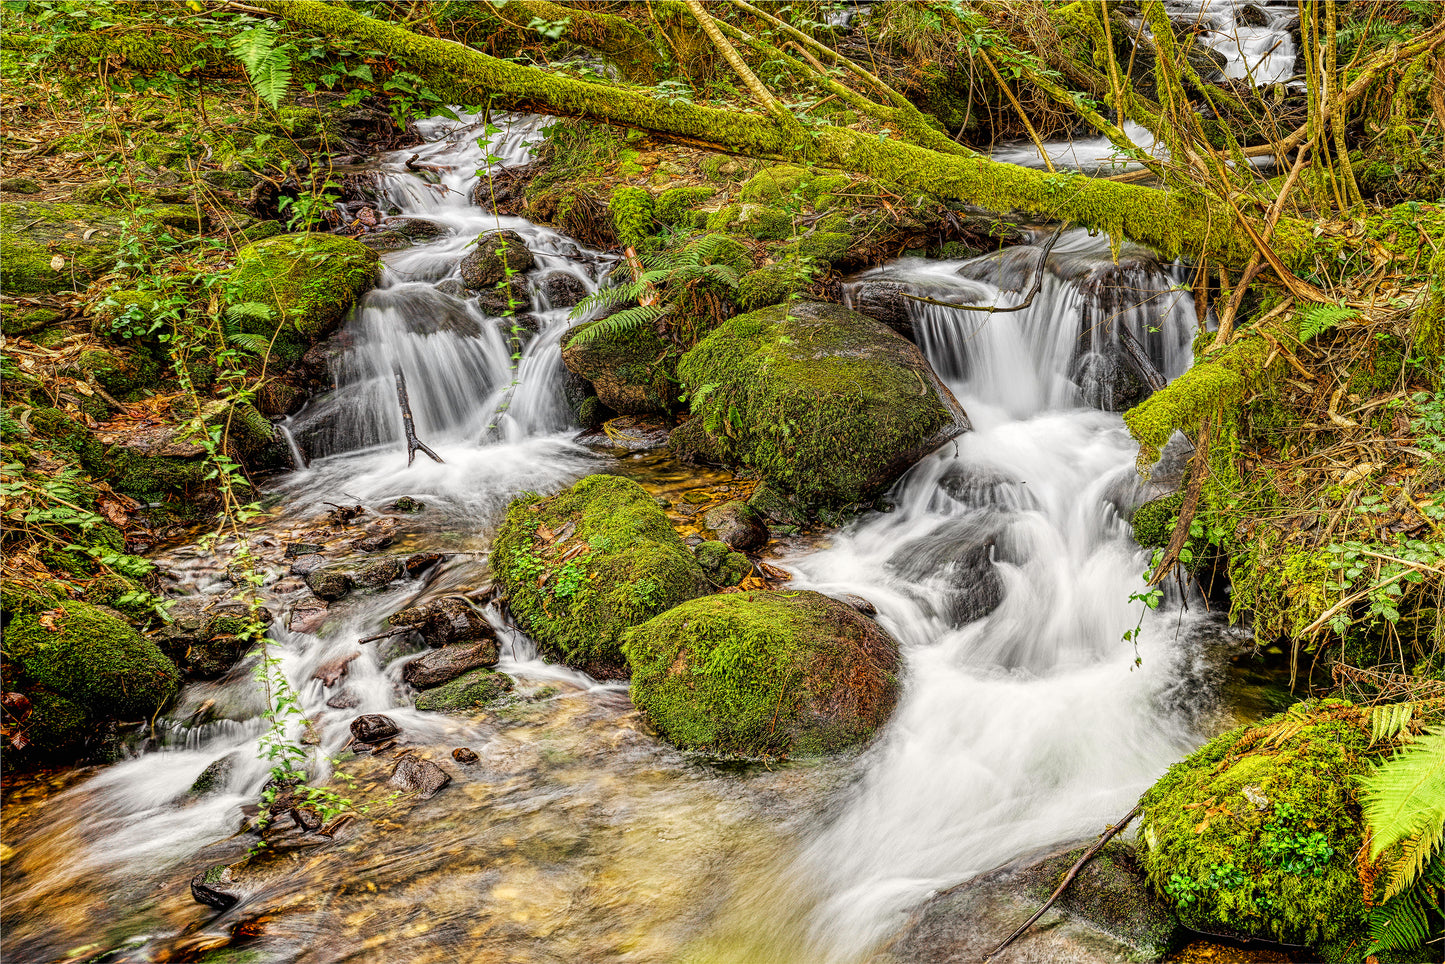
x=1004 y=570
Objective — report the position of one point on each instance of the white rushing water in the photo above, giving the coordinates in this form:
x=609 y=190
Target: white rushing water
x=1005 y=569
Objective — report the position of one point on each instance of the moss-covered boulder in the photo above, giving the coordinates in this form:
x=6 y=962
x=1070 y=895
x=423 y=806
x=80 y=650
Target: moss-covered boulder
x=827 y=405
x=1256 y=833
x=632 y=369
x=587 y=564
x=722 y=565
x=88 y=657
x=49 y=247
x=494 y=254
x=763 y=673
x=308 y=281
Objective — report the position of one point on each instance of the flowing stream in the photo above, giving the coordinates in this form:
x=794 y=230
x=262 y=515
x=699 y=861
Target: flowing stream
x=1004 y=570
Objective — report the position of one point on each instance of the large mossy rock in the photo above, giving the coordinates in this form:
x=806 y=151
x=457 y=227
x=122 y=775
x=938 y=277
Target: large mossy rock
x=495 y=253
x=632 y=369
x=763 y=673
x=49 y=247
x=585 y=565
x=309 y=281
x=90 y=664
x=1256 y=833
x=827 y=405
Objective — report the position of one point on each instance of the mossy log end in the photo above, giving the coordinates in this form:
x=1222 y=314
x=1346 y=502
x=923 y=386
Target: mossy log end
x=1174 y=222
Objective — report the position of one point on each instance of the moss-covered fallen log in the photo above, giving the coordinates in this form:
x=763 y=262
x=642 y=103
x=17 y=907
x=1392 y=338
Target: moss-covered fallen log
x=1174 y=222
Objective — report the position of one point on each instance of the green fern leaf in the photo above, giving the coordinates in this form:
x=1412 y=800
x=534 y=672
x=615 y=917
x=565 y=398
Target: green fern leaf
x=247 y=341
x=627 y=320
x=249 y=309
x=267 y=66
x=1318 y=319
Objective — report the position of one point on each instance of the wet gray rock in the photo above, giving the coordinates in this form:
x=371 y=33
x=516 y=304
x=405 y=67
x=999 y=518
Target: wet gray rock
x=213 y=778
x=738 y=525
x=373 y=728
x=345 y=700
x=330 y=584
x=452 y=287
x=295 y=550
x=374 y=575
x=385 y=241
x=417 y=229
x=485 y=264
x=1108 y=379
x=886 y=302
x=979 y=487
x=373 y=543
x=562 y=289
x=955 y=563
x=1111 y=893
x=450 y=619
x=1250 y=15
x=513 y=298
x=634 y=433
x=305 y=564
x=965 y=923
x=858 y=603
x=445 y=664
x=406 y=504
x=308 y=615
x=334 y=669
x=423 y=777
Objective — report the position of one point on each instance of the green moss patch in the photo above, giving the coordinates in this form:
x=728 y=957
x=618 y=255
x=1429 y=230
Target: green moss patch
x=480 y=687
x=50 y=247
x=92 y=658
x=585 y=565
x=827 y=405
x=633 y=370
x=309 y=281
x=1257 y=831
x=763 y=673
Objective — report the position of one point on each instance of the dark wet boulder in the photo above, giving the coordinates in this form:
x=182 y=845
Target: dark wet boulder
x=450 y=619
x=562 y=289
x=980 y=487
x=581 y=567
x=1109 y=379
x=308 y=615
x=633 y=433
x=737 y=524
x=422 y=777
x=763 y=673
x=722 y=565
x=507 y=301
x=385 y=241
x=438 y=666
x=776 y=507
x=304 y=565
x=886 y=302
x=213 y=778
x=631 y=368
x=1111 y=893
x=406 y=504
x=494 y=253
x=954 y=564
x=479 y=688
x=96 y=667
x=335 y=669
x=825 y=404
x=1250 y=15
x=465 y=755
x=373 y=728
x=379 y=573
x=858 y=603
x=420 y=562
x=213 y=888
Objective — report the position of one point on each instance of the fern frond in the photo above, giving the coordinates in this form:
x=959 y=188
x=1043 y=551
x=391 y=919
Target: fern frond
x=1415 y=854
x=1406 y=794
x=247 y=341
x=249 y=309
x=267 y=66
x=1387 y=721
x=1318 y=319
x=605 y=298
x=629 y=319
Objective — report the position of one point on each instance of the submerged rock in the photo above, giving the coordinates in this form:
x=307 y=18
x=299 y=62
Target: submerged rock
x=955 y=562
x=210 y=888
x=330 y=584
x=447 y=663
x=480 y=687
x=422 y=777
x=562 y=289
x=827 y=405
x=763 y=673
x=583 y=566
x=1111 y=893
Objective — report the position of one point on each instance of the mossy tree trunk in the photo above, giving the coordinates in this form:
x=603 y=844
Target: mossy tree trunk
x=1174 y=222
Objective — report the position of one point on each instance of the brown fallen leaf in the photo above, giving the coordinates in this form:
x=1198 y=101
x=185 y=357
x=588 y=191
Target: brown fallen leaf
x=57 y=263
